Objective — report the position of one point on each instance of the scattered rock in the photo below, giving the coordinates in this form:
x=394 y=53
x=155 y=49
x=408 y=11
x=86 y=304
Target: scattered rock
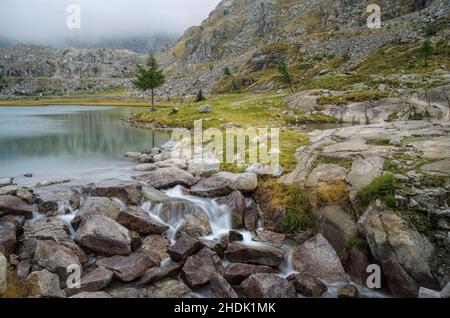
x=264 y=285
x=14 y=206
x=91 y=295
x=168 y=177
x=155 y=274
x=269 y=256
x=236 y=202
x=49 y=202
x=196 y=225
x=55 y=258
x=276 y=239
x=169 y=288
x=428 y=293
x=3 y=273
x=155 y=244
x=347 y=291
x=251 y=215
x=235 y=236
x=220 y=287
x=128 y=293
x=146 y=167
x=102 y=235
x=445 y=293
x=316 y=256
x=94 y=281
x=185 y=246
x=128 y=192
x=136 y=219
x=205 y=109
x=28 y=175
x=97 y=205
x=128 y=268
x=169 y=163
x=236 y=273
x=5 y=182
x=307 y=284
x=364 y=171
x=43 y=284
x=198 y=268
x=8 y=238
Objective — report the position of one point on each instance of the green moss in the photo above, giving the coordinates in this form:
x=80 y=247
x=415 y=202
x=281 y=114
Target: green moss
x=379 y=142
x=382 y=188
x=295 y=222
x=358 y=242
x=434 y=181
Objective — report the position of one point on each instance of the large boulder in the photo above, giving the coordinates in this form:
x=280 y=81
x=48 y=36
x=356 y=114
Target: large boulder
x=185 y=246
x=94 y=281
x=211 y=187
x=13 y=205
x=325 y=174
x=97 y=205
x=236 y=273
x=196 y=225
x=337 y=226
x=168 y=177
x=4 y=182
x=52 y=229
x=136 y=219
x=220 y=288
x=51 y=202
x=236 y=203
x=198 y=268
x=129 y=268
x=102 y=235
x=155 y=274
x=402 y=252
x=128 y=192
x=263 y=285
x=251 y=214
x=55 y=258
x=43 y=284
x=269 y=256
x=316 y=256
x=307 y=284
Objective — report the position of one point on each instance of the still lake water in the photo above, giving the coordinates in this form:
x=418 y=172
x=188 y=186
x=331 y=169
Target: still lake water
x=81 y=142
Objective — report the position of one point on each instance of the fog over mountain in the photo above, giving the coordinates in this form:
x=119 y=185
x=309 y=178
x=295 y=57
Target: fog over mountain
x=142 y=25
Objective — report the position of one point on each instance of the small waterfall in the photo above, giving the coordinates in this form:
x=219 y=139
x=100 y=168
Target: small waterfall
x=66 y=214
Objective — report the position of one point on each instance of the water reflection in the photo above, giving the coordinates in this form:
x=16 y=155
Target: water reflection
x=65 y=136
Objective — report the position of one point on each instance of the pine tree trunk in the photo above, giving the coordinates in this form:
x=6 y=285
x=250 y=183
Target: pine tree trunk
x=153 y=101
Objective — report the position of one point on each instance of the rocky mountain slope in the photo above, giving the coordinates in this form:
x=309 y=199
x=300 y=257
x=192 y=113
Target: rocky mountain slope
x=248 y=37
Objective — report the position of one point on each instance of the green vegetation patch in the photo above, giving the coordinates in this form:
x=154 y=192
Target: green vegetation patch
x=382 y=188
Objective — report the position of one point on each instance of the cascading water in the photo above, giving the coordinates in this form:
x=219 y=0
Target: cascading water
x=219 y=217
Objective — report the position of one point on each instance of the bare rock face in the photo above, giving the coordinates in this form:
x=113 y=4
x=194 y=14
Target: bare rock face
x=168 y=177
x=325 y=174
x=401 y=251
x=198 y=268
x=15 y=206
x=128 y=268
x=268 y=256
x=128 y=192
x=43 y=284
x=307 y=284
x=236 y=273
x=263 y=285
x=185 y=246
x=317 y=256
x=102 y=235
x=220 y=288
x=136 y=219
x=236 y=202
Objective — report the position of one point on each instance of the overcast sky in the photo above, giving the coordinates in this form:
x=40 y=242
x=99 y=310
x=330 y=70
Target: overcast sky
x=44 y=21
